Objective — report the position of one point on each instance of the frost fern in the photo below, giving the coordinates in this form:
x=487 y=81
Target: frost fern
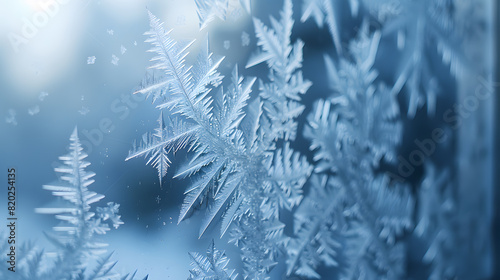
x=210 y=267
x=239 y=175
x=366 y=213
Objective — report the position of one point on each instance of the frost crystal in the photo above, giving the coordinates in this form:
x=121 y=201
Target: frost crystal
x=245 y=39
x=42 y=95
x=84 y=111
x=91 y=60
x=351 y=133
x=114 y=59
x=424 y=29
x=34 y=110
x=209 y=10
x=181 y=20
x=76 y=235
x=247 y=4
x=210 y=267
x=326 y=11
x=11 y=117
x=110 y=212
x=237 y=170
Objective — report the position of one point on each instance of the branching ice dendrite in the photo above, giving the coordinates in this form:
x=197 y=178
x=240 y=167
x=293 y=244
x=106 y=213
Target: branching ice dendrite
x=238 y=173
x=78 y=253
x=208 y=10
x=210 y=267
x=327 y=11
x=422 y=29
x=281 y=97
x=351 y=133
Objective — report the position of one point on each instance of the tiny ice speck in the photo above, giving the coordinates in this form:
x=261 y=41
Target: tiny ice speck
x=34 y=110
x=91 y=60
x=245 y=39
x=42 y=95
x=11 y=117
x=84 y=111
x=114 y=59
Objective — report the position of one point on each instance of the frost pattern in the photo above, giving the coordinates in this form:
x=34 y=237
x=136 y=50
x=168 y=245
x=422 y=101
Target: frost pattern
x=245 y=39
x=237 y=170
x=438 y=223
x=11 y=117
x=34 y=110
x=244 y=171
x=208 y=10
x=79 y=225
x=91 y=60
x=212 y=266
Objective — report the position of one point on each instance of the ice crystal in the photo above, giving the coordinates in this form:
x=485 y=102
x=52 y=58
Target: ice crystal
x=237 y=170
x=91 y=60
x=11 y=117
x=351 y=132
x=42 y=95
x=423 y=28
x=34 y=110
x=212 y=266
x=245 y=39
x=114 y=60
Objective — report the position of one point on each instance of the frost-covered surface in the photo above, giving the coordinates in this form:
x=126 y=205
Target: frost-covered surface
x=307 y=139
